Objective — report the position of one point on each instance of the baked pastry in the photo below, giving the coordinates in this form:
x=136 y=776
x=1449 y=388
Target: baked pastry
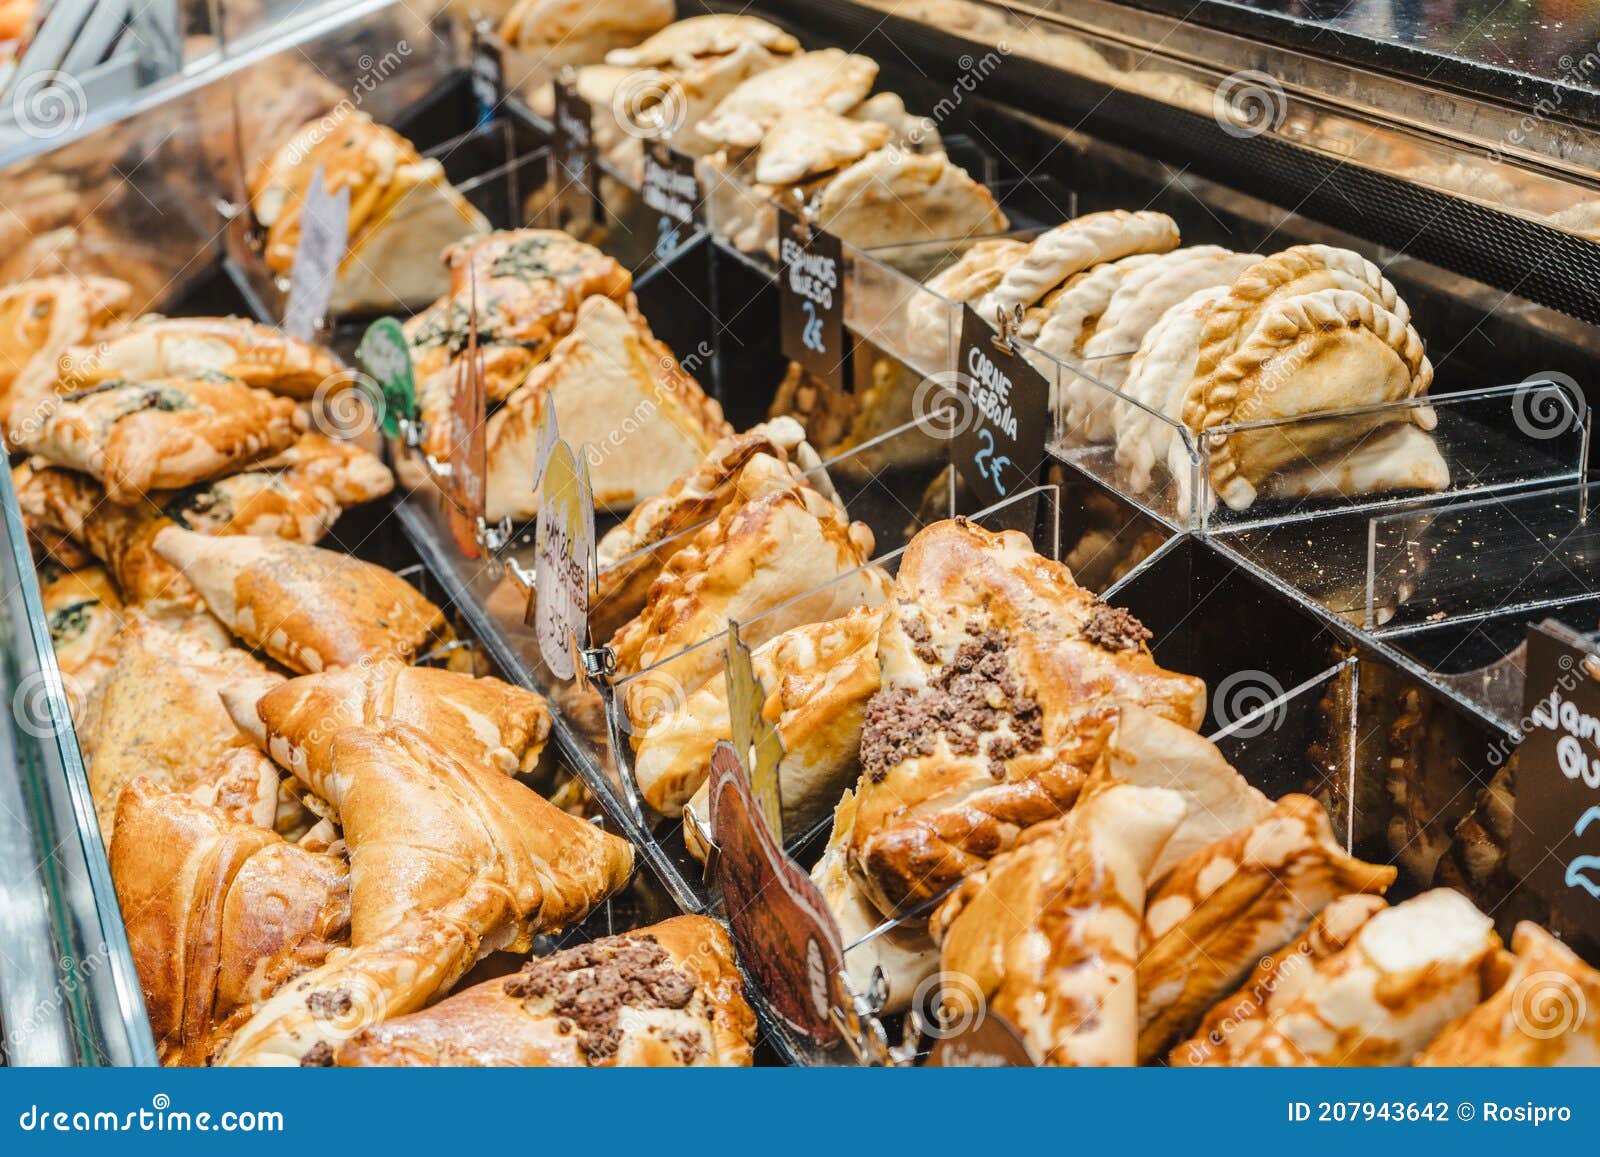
x=692 y=88
x=84 y=613
x=1001 y=684
x=196 y=347
x=818 y=678
x=1047 y=931
x=1276 y=979
x=400 y=205
x=1068 y=316
x=41 y=319
x=609 y=365
x=307 y=608
x=703 y=36
x=893 y=197
x=830 y=79
x=1396 y=457
x=448 y=862
x=135 y=437
x=528 y=284
x=1073 y=247
x=1409 y=971
x=764 y=459
x=1546 y=1013
x=807 y=141
x=788 y=558
x=219 y=915
x=1147 y=292
x=1224 y=907
x=481 y=721
x=668 y=995
x=562 y=32
x=157 y=712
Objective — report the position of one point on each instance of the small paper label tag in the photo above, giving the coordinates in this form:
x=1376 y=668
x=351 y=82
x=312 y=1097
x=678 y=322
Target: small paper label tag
x=989 y=1041
x=787 y=938
x=563 y=560
x=572 y=152
x=324 y=236
x=386 y=356
x=811 y=298
x=999 y=446
x=670 y=188
x=488 y=72
x=1555 y=842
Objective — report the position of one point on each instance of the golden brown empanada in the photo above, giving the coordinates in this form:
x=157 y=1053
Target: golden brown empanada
x=894 y=197
x=830 y=79
x=807 y=141
x=713 y=35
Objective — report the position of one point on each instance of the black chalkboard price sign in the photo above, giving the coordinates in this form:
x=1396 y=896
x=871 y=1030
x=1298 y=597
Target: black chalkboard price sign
x=671 y=189
x=811 y=298
x=572 y=150
x=1555 y=843
x=999 y=444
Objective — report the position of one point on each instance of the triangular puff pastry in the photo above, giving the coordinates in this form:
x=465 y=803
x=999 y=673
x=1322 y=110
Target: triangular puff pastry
x=1225 y=906
x=1410 y=971
x=1001 y=683
x=830 y=79
x=665 y=996
x=188 y=347
x=484 y=721
x=1546 y=1013
x=818 y=678
x=609 y=365
x=135 y=437
x=1049 y=931
x=1069 y=248
x=1328 y=350
x=308 y=608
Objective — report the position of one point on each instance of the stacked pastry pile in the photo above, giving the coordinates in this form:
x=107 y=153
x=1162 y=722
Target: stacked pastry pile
x=802 y=127
x=310 y=837
x=400 y=205
x=1198 y=337
x=557 y=325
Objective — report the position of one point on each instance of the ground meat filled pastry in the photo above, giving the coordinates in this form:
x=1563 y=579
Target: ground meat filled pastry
x=308 y=608
x=1546 y=1013
x=830 y=79
x=448 y=861
x=1079 y=244
x=1049 y=931
x=157 y=712
x=483 y=721
x=764 y=459
x=1001 y=683
x=698 y=36
x=135 y=437
x=1410 y=971
x=818 y=678
x=190 y=347
x=614 y=388
x=1225 y=906
x=1277 y=979
x=664 y=996
x=752 y=565
x=219 y=915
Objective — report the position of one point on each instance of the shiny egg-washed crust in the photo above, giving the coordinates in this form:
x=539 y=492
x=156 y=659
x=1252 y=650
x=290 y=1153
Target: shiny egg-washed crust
x=616 y=388
x=157 y=712
x=1074 y=246
x=1275 y=980
x=482 y=721
x=818 y=678
x=449 y=861
x=680 y=1003
x=713 y=35
x=949 y=784
x=181 y=347
x=219 y=915
x=763 y=460
x=1290 y=273
x=1049 y=932
x=308 y=608
x=297 y=495
x=138 y=437
x=829 y=78
x=754 y=559
x=1327 y=350
x=1409 y=971
x=1227 y=905
x=1546 y=1013
x=84 y=614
